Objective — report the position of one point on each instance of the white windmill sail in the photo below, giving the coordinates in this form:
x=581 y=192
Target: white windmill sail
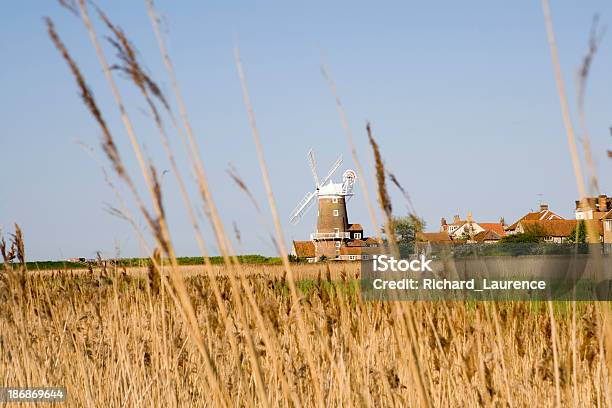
x=313 y=168
x=302 y=207
x=323 y=187
x=333 y=169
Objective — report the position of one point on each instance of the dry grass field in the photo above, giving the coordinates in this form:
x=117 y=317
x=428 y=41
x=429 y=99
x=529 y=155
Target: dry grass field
x=115 y=339
x=302 y=271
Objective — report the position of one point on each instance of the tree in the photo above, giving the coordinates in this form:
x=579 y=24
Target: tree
x=578 y=234
x=520 y=238
x=467 y=234
x=406 y=229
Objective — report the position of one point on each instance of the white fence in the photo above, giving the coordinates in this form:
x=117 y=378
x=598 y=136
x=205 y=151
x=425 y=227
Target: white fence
x=329 y=235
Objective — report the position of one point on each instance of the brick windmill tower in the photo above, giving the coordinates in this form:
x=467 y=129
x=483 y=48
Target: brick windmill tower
x=333 y=231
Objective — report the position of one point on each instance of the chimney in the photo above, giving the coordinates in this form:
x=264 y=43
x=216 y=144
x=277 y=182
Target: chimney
x=543 y=207
x=502 y=221
x=603 y=202
x=469 y=216
x=443 y=221
x=456 y=219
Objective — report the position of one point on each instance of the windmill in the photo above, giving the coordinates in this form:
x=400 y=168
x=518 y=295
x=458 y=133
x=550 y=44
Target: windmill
x=332 y=218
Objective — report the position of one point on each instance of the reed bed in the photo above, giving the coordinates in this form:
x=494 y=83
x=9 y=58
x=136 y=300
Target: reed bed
x=304 y=271
x=113 y=341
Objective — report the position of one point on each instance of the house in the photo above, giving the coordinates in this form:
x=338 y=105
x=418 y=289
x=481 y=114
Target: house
x=357 y=251
x=352 y=249
x=355 y=231
x=426 y=240
x=372 y=243
x=607 y=227
x=468 y=229
x=464 y=231
x=593 y=208
x=496 y=227
x=304 y=249
x=486 y=237
x=555 y=231
x=434 y=237
x=543 y=215
x=595 y=211
x=452 y=228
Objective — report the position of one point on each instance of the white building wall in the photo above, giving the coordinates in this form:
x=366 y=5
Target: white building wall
x=584 y=215
x=459 y=231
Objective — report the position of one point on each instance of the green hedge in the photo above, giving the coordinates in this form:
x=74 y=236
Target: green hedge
x=132 y=262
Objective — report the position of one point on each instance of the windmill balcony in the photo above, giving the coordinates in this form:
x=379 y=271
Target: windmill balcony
x=329 y=235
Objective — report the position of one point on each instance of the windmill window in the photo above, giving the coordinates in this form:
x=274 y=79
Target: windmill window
x=338 y=244
x=335 y=213
x=335 y=200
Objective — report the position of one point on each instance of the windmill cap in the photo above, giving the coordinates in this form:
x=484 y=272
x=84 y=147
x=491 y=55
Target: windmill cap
x=331 y=189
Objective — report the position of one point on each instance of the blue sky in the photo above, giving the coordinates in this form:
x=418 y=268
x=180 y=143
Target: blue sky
x=461 y=97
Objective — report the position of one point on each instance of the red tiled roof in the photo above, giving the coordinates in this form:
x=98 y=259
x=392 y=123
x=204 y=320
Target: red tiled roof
x=487 y=235
x=553 y=228
x=304 y=249
x=493 y=226
x=355 y=227
x=356 y=243
x=541 y=215
x=371 y=241
x=433 y=237
x=350 y=250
